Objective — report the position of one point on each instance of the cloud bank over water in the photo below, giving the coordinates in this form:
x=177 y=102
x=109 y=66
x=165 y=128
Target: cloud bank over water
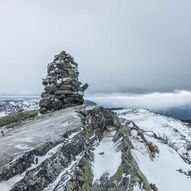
x=152 y=101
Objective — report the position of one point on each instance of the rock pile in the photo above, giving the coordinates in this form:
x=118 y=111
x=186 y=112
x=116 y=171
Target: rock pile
x=62 y=88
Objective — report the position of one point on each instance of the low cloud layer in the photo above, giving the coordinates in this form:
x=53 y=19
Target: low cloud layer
x=152 y=101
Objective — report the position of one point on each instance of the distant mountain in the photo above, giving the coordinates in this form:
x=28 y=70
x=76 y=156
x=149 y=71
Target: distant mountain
x=13 y=104
x=89 y=102
x=182 y=113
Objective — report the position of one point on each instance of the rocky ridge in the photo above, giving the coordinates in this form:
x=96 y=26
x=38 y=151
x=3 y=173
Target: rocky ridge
x=68 y=162
x=92 y=148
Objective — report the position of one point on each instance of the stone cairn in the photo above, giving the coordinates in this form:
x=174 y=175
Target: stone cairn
x=62 y=88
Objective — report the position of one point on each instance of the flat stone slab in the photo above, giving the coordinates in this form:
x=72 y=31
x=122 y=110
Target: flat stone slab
x=47 y=128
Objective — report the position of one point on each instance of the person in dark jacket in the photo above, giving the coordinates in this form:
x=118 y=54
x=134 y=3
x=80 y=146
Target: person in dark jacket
x=2 y=132
x=36 y=160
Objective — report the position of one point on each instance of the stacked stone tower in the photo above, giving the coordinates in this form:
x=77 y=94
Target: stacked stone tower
x=62 y=88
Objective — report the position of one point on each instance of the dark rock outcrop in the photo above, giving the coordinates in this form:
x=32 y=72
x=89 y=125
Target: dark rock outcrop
x=62 y=88
x=101 y=119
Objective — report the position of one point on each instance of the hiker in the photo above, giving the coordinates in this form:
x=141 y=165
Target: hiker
x=2 y=132
x=36 y=160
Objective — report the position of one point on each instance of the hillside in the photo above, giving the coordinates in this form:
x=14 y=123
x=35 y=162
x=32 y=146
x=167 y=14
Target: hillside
x=96 y=149
x=161 y=148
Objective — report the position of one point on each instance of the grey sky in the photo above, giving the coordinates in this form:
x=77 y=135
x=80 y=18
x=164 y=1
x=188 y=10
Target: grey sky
x=118 y=44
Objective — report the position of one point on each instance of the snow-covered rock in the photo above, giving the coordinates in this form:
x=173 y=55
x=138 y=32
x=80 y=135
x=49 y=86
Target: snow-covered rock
x=103 y=153
x=13 y=104
x=170 y=166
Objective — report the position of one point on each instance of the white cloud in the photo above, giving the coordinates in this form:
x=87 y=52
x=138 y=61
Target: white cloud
x=154 y=100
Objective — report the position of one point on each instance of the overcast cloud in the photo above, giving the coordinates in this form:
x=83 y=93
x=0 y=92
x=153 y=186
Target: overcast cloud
x=120 y=45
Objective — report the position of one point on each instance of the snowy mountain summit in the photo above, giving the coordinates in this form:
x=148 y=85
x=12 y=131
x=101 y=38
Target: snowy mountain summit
x=95 y=149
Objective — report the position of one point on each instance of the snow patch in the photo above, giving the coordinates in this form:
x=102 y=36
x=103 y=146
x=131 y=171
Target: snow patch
x=174 y=131
x=7 y=185
x=22 y=147
x=162 y=171
x=2 y=114
x=137 y=187
x=106 y=158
